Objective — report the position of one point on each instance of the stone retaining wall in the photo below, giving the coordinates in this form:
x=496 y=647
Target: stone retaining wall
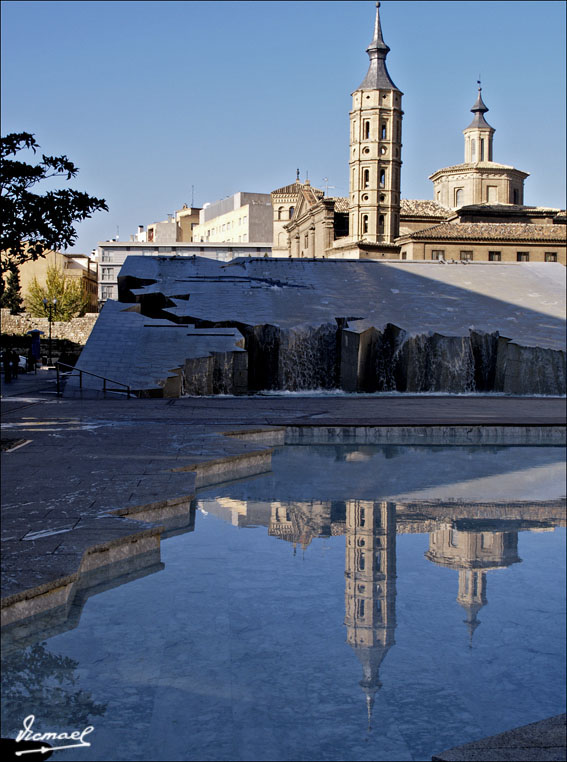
x=77 y=330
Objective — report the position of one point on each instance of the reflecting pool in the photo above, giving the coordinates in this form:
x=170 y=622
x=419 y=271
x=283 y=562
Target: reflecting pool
x=359 y=603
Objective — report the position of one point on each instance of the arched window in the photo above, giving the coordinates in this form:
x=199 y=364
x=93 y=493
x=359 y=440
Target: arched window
x=459 y=196
x=381 y=223
x=382 y=178
x=291 y=211
x=280 y=213
x=473 y=150
x=365 y=223
x=383 y=131
x=366 y=178
x=481 y=149
x=366 y=129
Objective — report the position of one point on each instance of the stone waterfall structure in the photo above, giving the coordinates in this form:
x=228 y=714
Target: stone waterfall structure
x=191 y=325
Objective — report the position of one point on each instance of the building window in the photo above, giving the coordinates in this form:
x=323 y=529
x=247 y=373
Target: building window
x=459 y=196
x=523 y=256
x=365 y=178
x=366 y=130
x=381 y=223
x=466 y=256
x=492 y=194
x=438 y=254
x=383 y=131
x=550 y=256
x=106 y=292
x=494 y=256
x=382 y=178
x=291 y=211
x=365 y=223
x=106 y=273
x=106 y=256
x=473 y=150
x=516 y=196
x=481 y=149
x=280 y=213
x=306 y=240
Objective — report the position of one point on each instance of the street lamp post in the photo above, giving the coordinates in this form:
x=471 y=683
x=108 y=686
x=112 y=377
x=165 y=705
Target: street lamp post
x=51 y=309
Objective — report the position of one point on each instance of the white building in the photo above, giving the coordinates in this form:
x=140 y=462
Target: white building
x=241 y=218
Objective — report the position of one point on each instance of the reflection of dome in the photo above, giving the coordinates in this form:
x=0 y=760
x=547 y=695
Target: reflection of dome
x=472 y=553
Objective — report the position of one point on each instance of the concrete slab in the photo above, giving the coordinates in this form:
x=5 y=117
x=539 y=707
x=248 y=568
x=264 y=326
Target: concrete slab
x=537 y=742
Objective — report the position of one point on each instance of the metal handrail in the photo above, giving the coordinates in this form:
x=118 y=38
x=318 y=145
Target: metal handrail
x=89 y=373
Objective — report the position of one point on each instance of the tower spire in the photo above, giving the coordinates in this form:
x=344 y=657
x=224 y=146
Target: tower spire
x=377 y=76
x=479 y=110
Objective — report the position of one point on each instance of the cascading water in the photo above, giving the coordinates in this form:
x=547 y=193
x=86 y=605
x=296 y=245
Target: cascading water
x=308 y=358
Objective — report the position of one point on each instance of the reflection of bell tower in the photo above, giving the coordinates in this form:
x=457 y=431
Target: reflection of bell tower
x=472 y=553
x=370 y=590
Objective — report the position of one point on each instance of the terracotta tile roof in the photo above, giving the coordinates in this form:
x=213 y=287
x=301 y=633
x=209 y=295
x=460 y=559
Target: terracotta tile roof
x=341 y=204
x=492 y=231
x=423 y=208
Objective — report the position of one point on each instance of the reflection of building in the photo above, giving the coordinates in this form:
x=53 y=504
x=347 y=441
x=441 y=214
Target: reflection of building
x=472 y=552
x=370 y=589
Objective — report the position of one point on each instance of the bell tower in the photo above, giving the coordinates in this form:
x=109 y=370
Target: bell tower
x=375 y=150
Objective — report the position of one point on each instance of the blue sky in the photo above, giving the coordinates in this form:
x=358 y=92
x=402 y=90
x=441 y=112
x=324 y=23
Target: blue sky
x=152 y=98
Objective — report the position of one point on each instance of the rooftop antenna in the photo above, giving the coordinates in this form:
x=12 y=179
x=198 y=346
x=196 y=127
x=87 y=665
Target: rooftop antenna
x=192 y=196
x=297 y=175
x=327 y=186
x=117 y=232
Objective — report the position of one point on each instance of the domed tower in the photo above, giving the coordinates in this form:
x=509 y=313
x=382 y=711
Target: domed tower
x=480 y=180
x=375 y=150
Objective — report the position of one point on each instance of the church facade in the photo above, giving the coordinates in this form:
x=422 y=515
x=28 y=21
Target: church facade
x=477 y=214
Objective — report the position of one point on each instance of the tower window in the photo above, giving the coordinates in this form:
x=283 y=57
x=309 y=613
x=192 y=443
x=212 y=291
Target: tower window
x=481 y=149
x=366 y=129
x=366 y=178
x=459 y=196
x=550 y=256
x=516 y=196
x=382 y=178
x=381 y=223
x=291 y=211
x=364 y=228
x=523 y=256
x=383 y=131
x=280 y=213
